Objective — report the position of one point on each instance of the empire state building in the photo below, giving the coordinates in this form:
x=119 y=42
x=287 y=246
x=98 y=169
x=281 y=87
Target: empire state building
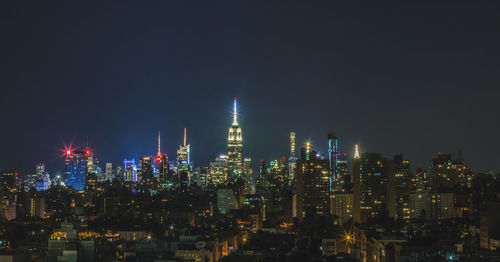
x=234 y=146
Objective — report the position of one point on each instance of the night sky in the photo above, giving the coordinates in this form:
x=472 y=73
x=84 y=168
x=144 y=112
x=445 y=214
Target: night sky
x=415 y=78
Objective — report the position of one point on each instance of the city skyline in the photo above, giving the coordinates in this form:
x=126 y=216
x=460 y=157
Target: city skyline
x=230 y=131
x=166 y=149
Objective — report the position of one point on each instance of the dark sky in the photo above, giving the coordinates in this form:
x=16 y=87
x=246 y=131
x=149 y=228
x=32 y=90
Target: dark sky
x=415 y=78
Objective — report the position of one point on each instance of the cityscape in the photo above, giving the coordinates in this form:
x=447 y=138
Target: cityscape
x=306 y=164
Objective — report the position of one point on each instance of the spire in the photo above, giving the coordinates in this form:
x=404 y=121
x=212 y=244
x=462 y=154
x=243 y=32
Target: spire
x=159 y=148
x=356 y=151
x=184 y=144
x=235 y=121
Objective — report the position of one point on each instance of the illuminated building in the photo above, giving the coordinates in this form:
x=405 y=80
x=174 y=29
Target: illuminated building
x=130 y=170
x=402 y=184
x=145 y=174
x=36 y=206
x=421 y=180
x=292 y=161
x=313 y=184
x=333 y=150
x=226 y=200
x=92 y=171
x=161 y=164
x=356 y=180
x=248 y=176
x=235 y=146
x=343 y=178
x=109 y=172
x=218 y=170
x=184 y=162
x=8 y=181
x=448 y=174
x=374 y=185
x=75 y=169
x=341 y=205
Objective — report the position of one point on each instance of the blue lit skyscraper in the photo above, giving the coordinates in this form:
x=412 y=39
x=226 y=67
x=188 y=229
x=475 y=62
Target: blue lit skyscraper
x=75 y=169
x=333 y=150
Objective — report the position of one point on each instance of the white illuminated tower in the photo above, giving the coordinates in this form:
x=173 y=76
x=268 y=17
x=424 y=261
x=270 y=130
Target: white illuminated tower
x=292 y=162
x=235 y=146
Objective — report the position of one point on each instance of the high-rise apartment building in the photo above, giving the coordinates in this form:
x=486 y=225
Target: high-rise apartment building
x=448 y=174
x=313 y=184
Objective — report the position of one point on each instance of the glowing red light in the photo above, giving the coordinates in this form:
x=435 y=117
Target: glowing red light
x=68 y=152
x=345 y=154
x=87 y=152
x=158 y=158
x=338 y=154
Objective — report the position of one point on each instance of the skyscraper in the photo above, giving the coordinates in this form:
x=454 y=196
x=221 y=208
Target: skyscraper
x=402 y=184
x=356 y=180
x=292 y=161
x=313 y=184
x=75 y=169
x=146 y=175
x=218 y=170
x=333 y=150
x=161 y=169
x=184 y=155
x=130 y=170
x=184 y=162
x=8 y=180
x=234 y=146
x=109 y=172
x=448 y=174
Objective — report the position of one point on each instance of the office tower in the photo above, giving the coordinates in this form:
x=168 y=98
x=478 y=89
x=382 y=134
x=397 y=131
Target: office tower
x=402 y=185
x=374 y=186
x=9 y=181
x=248 y=176
x=489 y=225
x=218 y=170
x=184 y=156
x=448 y=174
x=130 y=170
x=422 y=180
x=145 y=174
x=356 y=180
x=262 y=179
x=276 y=182
x=234 y=146
x=36 y=206
x=343 y=183
x=341 y=205
x=292 y=162
x=161 y=166
x=313 y=184
x=333 y=150
x=226 y=200
x=109 y=172
x=75 y=169
x=183 y=163
x=278 y=170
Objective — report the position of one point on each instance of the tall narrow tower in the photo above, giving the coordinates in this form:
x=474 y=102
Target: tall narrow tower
x=292 y=162
x=356 y=165
x=235 y=146
x=159 y=148
x=333 y=150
